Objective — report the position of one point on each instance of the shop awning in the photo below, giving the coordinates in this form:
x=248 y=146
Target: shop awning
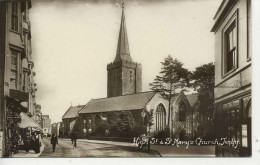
x=27 y=122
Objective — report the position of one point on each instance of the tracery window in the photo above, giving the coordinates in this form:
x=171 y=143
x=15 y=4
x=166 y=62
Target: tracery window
x=182 y=113
x=160 y=117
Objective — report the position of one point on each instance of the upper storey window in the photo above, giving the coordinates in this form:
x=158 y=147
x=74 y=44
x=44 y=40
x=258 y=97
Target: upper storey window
x=14 y=69
x=230 y=49
x=231 y=37
x=14 y=23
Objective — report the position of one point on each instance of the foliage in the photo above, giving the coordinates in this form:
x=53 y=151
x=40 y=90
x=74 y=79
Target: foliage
x=148 y=120
x=204 y=80
x=204 y=77
x=120 y=123
x=161 y=135
x=172 y=76
x=101 y=129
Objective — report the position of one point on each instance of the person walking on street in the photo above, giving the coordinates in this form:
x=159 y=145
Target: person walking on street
x=36 y=142
x=27 y=140
x=54 y=141
x=74 y=139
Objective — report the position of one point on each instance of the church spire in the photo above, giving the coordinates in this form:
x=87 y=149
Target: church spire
x=123 y=53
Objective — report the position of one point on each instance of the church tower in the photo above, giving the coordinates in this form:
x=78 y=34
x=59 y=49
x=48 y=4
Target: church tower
x=123 y=75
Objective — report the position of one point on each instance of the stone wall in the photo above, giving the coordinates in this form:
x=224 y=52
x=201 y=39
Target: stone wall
x=123 y=78
x=93 y=122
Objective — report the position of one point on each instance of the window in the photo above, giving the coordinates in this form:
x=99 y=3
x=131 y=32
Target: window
x=14 y=23
x=24 y=81
x=13 y=76
x=231 y=37
x=24 y=15
x=230 y=45
x=24 y=38
x=233 y=124
x=182 y=113
x=160 y=117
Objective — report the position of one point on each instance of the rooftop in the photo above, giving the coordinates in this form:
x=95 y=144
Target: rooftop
x=72 y=112
x=192 y=98
x=126 y=102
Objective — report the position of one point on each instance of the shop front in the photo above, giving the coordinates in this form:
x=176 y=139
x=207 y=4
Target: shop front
x=22 y=132
x=29 y=134
x=233 y=119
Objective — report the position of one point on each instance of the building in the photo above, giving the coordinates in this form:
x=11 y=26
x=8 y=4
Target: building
x=123 y=75
x=124 y=86
x=69 y=119
x=46 y=125
x=232 y=29
x=17 y=89
x=37 y=114
x=96 y=110
x=55 y=128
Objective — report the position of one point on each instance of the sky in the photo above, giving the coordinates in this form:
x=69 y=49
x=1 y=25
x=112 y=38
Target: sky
x=73 y=41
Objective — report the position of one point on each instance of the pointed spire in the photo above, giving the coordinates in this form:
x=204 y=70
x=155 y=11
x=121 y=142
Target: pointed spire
x=123 y=53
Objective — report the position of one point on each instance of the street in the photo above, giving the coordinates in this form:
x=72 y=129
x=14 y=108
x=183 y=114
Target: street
x=92 y=149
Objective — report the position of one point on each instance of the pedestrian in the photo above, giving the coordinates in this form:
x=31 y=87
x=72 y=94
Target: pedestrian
x=36 y=143
x=27 y=141
x=74 y=139
x=54 y=141
x=72 y=135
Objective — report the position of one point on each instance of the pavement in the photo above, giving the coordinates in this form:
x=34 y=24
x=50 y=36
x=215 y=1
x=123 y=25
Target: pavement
x=94 y=148
x=164 y=150
x=182 y=151
x=98 y=148
x=31 y=154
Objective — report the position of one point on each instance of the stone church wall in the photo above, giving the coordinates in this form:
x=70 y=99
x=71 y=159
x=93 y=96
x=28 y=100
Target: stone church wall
x=178 y=126
x=123 y=78
x=94 y=124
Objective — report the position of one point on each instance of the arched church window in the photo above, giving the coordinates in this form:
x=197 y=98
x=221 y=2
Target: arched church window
x=182 y=112
x=160 y=117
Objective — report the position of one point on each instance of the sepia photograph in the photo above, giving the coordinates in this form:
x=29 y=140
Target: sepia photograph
x=126 y=78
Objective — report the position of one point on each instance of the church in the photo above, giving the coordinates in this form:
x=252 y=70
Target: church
x=124 y=93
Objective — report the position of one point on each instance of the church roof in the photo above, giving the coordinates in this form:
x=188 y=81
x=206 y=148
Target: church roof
x=123 y=53
x=119 y=103
x=72 y=112
x=192 y=98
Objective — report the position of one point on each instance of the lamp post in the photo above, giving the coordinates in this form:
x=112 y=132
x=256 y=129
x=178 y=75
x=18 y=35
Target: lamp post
x=143 y=114
x=84 y=127
x=89 y=130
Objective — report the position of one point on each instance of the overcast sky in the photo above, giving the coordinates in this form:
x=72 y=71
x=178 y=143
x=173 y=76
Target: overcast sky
x=74 y=41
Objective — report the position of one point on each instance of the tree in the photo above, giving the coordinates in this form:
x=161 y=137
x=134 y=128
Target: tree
x=120 y=123
x=148 y=120
x=126 y=123
x=204 y=81
x=112 y=122
x=172 y=76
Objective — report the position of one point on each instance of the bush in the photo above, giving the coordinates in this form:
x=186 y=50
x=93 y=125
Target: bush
x=161 y=135
x=120 y=123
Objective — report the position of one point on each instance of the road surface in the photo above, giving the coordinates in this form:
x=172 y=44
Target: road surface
x=91 y=149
